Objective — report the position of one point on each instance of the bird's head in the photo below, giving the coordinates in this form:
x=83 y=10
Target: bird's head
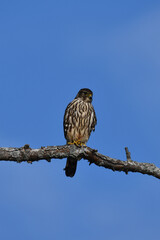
x=85 y=94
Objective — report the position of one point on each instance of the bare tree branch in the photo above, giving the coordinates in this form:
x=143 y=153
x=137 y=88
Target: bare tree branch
x=30 y=155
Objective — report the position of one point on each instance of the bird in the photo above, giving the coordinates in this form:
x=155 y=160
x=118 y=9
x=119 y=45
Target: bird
x=78 y=123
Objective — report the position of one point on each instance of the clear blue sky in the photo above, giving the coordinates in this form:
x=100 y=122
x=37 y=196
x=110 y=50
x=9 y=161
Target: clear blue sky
x=48 y=51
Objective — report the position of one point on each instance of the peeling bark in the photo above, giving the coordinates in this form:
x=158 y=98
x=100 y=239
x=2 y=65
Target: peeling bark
x=26 y=154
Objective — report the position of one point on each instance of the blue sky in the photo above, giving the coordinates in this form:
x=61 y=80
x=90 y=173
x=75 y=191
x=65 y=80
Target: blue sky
x=48 y=51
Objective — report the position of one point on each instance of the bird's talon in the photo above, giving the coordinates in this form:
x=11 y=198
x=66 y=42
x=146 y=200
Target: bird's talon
x=77 y=143
x=70 y=143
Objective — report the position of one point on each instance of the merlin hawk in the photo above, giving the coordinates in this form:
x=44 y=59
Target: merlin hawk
x=79 y=121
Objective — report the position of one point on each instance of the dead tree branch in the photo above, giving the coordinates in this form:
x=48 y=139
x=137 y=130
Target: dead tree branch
x=26 y=154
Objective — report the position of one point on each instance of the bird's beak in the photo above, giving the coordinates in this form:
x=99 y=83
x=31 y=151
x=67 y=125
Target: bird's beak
x=90 y=96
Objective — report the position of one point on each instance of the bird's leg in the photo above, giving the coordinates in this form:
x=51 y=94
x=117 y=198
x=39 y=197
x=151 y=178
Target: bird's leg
x=70 y=143
x=78 y=143
x=82 y=144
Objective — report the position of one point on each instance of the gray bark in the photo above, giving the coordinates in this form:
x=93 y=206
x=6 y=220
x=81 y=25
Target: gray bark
x=30 y=155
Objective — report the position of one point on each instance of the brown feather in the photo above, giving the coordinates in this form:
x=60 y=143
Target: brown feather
x=79 y=121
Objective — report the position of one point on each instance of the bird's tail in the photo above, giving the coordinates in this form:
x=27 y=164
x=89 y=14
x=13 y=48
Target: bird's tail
x=71 y=166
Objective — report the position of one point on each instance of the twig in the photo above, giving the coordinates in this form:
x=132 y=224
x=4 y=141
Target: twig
x=128 y=154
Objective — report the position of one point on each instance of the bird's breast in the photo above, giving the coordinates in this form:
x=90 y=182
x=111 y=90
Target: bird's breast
x=78 y=120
